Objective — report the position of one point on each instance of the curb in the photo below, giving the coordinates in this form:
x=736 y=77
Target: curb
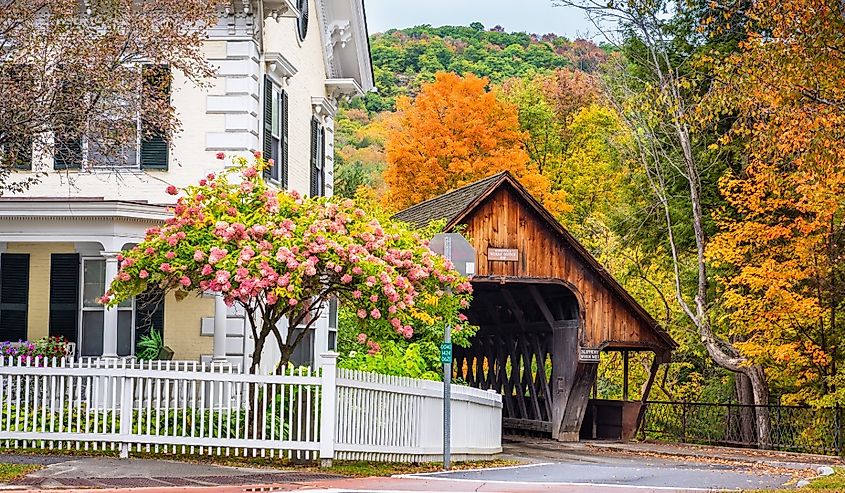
x=774 y=460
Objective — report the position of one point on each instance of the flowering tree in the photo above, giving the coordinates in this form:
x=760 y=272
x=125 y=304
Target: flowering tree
x=280 y=255
x=72 y=71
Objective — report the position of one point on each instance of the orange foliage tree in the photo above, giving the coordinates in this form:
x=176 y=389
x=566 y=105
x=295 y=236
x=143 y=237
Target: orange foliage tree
x=782 y=239
x=454 y=132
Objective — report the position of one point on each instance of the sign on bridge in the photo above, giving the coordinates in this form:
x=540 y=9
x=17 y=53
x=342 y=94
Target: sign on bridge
x=588 y=355
x=457 y=249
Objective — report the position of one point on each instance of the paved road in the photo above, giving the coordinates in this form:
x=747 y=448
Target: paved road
x=551 y=467
x=638 y=474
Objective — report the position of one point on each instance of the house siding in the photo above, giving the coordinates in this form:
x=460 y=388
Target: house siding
x=221 y=113
x=182 y=321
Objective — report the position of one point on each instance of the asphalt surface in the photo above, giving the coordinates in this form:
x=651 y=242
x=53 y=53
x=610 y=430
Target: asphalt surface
x=637 y=473
x=547 y=467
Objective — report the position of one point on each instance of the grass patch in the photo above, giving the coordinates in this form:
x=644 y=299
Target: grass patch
x=368 y=469
x=835 y=483
x=11 y=472
x=358 y=469
x=341 y=467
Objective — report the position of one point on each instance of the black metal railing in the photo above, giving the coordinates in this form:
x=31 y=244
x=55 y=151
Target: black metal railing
x=792 y=428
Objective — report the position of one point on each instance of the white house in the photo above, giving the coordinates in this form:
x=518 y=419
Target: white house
x=283 y=66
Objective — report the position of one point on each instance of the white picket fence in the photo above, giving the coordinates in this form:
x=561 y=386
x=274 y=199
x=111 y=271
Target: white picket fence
x=125 y=405
x=397 y=419
x=191 y=408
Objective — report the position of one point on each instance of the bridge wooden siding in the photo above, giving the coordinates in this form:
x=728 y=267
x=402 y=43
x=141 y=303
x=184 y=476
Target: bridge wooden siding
x=539 y=296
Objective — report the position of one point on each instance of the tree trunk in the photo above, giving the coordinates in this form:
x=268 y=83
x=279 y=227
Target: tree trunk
x=259 y=346
x=745 y=397
x=285 y=351
x=728 y=357
x=256 y=355
x=760 y=389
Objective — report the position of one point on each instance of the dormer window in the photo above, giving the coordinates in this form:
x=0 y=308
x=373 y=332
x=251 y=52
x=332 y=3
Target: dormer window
x=302 y=21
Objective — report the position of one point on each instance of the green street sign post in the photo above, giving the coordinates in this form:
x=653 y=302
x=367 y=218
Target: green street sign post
x=456 y=248
x=446 y=352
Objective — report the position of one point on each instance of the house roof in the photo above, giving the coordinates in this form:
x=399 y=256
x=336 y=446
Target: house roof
x=450 y=204
x=457 y=204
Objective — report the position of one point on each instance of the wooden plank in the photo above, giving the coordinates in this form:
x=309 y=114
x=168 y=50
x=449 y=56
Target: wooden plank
x=652 y=373
x=541 y=368
x=516 y=379
x=502 y=379
x=625 y=364
x=527 y=425
x=576 y=404
x=513 y=305
x=541 y=303
x=530 y=378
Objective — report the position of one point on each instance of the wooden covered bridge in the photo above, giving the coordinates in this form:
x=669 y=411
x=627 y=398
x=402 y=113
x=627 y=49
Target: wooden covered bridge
x=541 y=300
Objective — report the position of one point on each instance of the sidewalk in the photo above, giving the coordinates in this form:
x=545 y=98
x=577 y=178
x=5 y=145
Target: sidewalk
x=109 y=475
x=705 y=452
x=544 y=449
x=105 y=472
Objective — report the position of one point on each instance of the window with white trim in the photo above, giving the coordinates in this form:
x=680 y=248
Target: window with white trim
x=332 y=345
x=92 y=322
x=148 y=151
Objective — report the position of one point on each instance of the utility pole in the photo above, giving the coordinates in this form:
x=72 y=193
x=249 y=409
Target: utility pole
x=457 y=249
x=446 y=358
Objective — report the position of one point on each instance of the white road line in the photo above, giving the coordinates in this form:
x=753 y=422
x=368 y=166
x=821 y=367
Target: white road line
x=562 y=483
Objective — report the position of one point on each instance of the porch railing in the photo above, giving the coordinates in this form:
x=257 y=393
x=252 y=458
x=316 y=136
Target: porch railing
x=792 y=428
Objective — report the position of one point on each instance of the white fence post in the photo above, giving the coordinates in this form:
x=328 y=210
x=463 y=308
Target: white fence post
x=328 y=407
x=127 y=386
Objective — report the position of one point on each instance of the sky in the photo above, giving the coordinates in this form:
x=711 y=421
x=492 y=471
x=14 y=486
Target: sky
x=532 y=16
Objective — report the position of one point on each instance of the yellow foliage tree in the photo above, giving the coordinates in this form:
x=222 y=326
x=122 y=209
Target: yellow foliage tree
x=782 y=241
x=454 y=132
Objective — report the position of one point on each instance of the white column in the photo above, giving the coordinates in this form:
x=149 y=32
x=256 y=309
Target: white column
x=220 y=319
x=110 y=315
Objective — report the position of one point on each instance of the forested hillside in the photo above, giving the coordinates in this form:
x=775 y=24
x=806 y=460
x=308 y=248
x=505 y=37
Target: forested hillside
x=404 y=60
x=698 y=156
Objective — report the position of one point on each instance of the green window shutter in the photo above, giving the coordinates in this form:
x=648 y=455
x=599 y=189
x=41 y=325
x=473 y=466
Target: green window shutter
x=155 y=149
x=284 y=154
x=315 y=160
x=64 y=295
x=154 y=153
x=149 y=313
x=67 y=136
x=18 y=152
x=15 y=140
x=322 y=158
x=267 y=138
x=67 y=152
x=14 y=296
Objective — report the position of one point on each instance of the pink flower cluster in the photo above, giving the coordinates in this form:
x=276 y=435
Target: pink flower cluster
x=255 y=242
